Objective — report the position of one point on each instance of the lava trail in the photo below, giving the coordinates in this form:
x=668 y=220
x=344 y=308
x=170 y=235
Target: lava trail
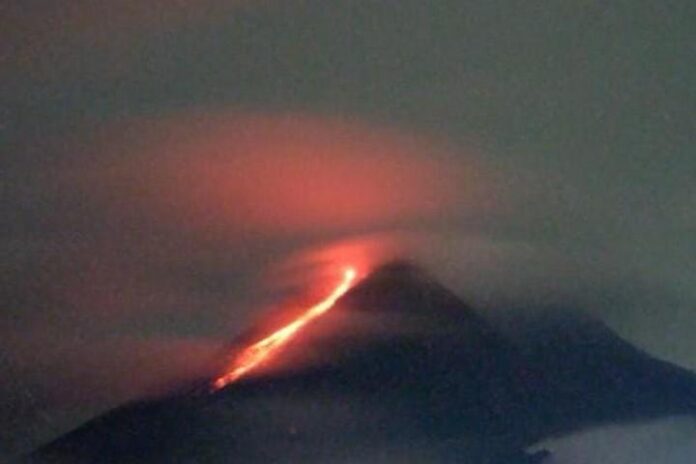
x=265 y=348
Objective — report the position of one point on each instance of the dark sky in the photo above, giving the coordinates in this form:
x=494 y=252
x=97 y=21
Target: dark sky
x=168 y=168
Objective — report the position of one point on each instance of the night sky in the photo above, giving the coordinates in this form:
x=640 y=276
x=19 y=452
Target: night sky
x=168 y=170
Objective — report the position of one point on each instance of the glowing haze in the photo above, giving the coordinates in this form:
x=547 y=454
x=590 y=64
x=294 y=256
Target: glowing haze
x=267 y=347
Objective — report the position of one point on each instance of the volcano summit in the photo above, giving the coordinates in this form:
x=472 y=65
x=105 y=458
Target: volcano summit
x=400 y=370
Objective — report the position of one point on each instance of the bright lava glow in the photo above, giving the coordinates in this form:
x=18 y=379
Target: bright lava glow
x=265 y=348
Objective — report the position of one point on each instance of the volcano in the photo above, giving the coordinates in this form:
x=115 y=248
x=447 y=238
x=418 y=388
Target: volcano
x=400 y=370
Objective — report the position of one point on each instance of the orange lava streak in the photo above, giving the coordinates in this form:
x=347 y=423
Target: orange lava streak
x=264 y=349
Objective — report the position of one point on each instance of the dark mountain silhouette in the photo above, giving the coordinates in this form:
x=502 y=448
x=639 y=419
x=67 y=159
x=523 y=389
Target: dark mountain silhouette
x=586 y=372
x=402 y=371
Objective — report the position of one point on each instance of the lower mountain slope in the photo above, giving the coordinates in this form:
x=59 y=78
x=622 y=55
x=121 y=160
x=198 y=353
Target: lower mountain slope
x=401 y=370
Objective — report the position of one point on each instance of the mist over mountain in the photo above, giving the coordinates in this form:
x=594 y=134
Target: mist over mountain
x=401 y=370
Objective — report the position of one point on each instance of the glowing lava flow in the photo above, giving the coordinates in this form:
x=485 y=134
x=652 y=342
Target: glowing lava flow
x=264 y=349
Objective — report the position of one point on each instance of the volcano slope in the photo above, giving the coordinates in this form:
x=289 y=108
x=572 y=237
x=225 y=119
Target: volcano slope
x=400 y=370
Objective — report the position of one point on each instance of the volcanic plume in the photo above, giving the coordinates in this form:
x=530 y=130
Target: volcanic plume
x=402 y=369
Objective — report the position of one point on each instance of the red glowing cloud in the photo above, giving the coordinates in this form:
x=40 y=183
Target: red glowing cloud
x=251 y=176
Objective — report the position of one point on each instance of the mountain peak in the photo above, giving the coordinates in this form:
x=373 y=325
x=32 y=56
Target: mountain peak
x=432 y=371
x=402 y=286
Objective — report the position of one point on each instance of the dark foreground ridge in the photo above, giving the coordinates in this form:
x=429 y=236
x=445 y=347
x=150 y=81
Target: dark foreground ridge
x=436 y=383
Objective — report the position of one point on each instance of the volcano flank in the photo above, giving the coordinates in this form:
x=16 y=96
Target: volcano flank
x=400 y=370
